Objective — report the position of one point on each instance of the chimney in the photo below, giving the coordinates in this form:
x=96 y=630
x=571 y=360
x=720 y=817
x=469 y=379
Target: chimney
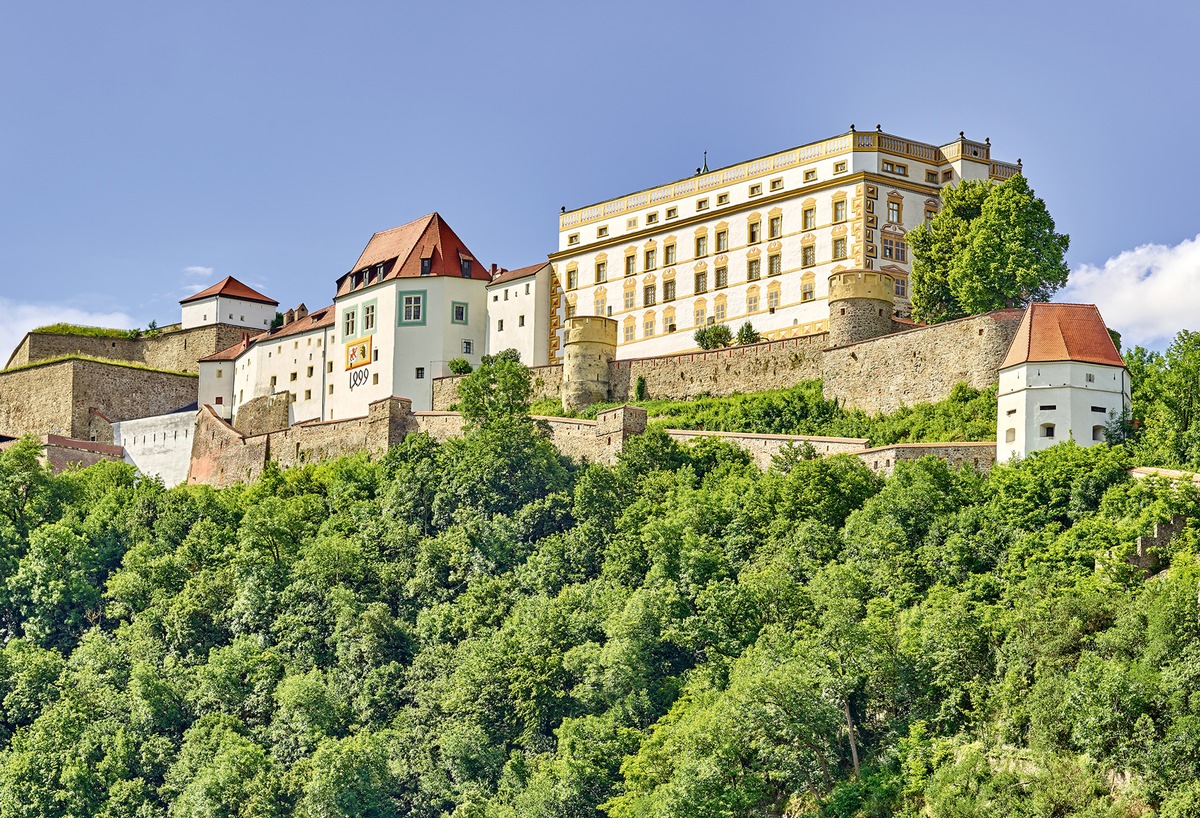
x=289 y=317
x=495 y=270
x=301 y=312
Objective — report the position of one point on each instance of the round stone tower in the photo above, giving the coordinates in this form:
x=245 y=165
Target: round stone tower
x=590 y=345
x=860 y=306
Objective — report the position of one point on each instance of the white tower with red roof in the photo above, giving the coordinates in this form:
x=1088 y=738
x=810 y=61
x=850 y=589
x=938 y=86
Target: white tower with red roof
x=1061 y=379
x=229 y=301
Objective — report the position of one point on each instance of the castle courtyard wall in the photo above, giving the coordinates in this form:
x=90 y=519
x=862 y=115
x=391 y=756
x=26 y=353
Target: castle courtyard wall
x=159 y=446
x=173 y=349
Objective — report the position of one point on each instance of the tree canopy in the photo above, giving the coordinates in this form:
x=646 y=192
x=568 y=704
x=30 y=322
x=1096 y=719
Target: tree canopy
x=989 y=247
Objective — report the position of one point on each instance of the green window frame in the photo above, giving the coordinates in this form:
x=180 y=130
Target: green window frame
x=349 y=324
x=362 y=329
x=454 y=308
x=406 y=301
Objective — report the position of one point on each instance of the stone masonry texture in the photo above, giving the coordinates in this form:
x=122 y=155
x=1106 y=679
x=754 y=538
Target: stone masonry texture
x=174 y=349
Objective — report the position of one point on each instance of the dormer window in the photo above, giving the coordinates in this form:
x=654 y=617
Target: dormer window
x=465 y=267
x=426 y=266
x=378 y=272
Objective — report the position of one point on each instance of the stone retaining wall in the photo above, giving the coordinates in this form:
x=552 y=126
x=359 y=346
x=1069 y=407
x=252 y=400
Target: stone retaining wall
x=883 y=459
x=174 y=349
x=763 y=448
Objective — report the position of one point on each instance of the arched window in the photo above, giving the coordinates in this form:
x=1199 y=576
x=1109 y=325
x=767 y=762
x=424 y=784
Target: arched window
x=1097 y=433
x=1048 y=430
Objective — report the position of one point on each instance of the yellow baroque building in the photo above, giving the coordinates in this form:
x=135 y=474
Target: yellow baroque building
x=757 y=241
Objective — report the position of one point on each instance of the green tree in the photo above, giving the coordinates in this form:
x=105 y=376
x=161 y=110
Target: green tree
x=713 y=337
x=991 y=246
x=459 y=366
x=747 y=334
x=500 y=388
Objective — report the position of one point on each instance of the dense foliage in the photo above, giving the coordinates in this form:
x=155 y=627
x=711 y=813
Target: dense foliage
x=81 y=329
x=480 y=629
x=990 y=246
x=1164 y=425
x=967 y=414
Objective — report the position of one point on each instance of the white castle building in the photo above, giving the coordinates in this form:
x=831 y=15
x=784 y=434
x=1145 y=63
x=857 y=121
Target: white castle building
x=755 y=241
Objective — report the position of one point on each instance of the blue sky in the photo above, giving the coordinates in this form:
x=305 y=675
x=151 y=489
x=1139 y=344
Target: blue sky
x=147 y=149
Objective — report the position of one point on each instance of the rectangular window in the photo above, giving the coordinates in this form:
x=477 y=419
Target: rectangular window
x=902 y=287
x=701 y=246
x=701 y=282
x=601 y=272
x=601 y=305
x=719 y=311
x=572 y=279
x=1090 y=377
x=651 y=259
x=631 y=224
x=412 y=308
x=648 y=328
x=570 y=311
x=669 y=290
x=754 y=232
x=722 y=277
x=722 y=241
x=630 y=298
x=774 y=264
x=426 y=266
x=839 y=248
x=893 y=212
x=929 y=214
x=669 y=255
x=601 y=232
x=221 y=374
x=895 y=249
x=702 y=205
x=308 y=394
x=500 y=325
x=329 y=366
x=700 y=317
x=839 y=211
x=775 y=227
x=776 y=184
x=308 y=373
x=1100 y=409
x=573 y=239
x=520 y=320
x=672 y=212
x=468 y=347
x=420 y=373
x=752 y=303
x=651 y=218
x=1048 y=407
x=810 y=175
x=630 y=265
x=755 y=190
x=810 y=218
x=806 y=291
x=753 y=269
x=773 y=299
x=629 y=330
x=274 y=380
x=808 y=255
x=947 y=175
x=839 y=167
x=723 y=199
x=458 y=312
x=931 y=177
x=295 y=376
x=649 y=295
x=348 y=322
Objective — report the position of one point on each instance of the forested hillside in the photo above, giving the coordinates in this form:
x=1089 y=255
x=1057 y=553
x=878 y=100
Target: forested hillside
x=481 y=629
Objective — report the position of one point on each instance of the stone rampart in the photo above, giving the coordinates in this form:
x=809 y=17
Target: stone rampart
x=919 y=365
x=173 y=349
x=62 y=453
x=268 y=413
x=63 y=397
x=883 y=459
x=763 y=448
x=546 y=382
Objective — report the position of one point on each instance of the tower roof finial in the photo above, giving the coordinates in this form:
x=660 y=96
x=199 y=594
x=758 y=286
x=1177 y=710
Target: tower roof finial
x=705 y=162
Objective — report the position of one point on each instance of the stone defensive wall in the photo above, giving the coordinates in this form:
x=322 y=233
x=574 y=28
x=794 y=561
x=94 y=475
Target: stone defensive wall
x=79 y=398
x=222 y=455
x=910 y=366
x=919 y=365
x=173 y=349
x=763 y=448
x=883 y=459
x=62 y=453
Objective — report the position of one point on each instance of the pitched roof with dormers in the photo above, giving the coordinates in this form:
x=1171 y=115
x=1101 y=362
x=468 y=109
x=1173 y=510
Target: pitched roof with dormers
x=401 y=249
x=521 y=272
x=1062 y=332
x=317 y=319
x=230 y=287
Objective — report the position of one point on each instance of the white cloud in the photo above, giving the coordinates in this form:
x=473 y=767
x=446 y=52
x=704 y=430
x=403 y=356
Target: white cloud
x=200 y=272
x=192 y=289
x=1147 y=294
x=21 y=318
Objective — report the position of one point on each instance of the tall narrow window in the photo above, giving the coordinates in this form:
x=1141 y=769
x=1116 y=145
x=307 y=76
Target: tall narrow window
x=774 y=265
x=369 y=318
x=839 y=248
x=464 y=265
x=601 y=272
x=775 y=227
x=651 y=259
x=810 y=218
x=426 y=266
x=839 y=211
x=669 y=255
x=649 y=295
x=754 y=232
x=630 y=265
x=753 y=269
x=701 y=282
x=722 y=277
x=808 y=255
x=722 y=241
x=669 y=290
x=348 y=322
x=701 y=246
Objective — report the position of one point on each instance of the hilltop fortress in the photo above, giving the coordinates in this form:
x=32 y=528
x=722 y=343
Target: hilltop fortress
x=808 y=244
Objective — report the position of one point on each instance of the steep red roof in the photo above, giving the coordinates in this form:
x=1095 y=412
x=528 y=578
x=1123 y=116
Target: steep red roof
x=317 y=319
x=522 y=272
x=230 y=287
x=401 y=249
x=1062 y=332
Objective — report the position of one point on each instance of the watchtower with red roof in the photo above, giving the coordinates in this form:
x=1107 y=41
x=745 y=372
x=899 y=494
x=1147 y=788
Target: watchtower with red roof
x=1062 y=379
x=229 y=301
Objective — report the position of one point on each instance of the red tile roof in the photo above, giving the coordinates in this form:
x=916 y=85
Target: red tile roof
x=513 y=275
x=230 y=287
x=401 y=249
x=1062 y=332
x=317 y=319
